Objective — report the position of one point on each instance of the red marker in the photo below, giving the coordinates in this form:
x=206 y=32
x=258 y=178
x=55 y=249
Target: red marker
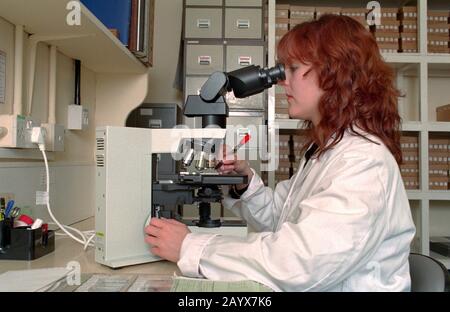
x=235 y=149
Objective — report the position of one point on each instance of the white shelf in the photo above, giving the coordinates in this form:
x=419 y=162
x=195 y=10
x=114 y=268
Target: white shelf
x=288 y=124
x=27 y=154
x=415 y=195
x=403 y=58
x=438 y=58
x=412 y=126
x=418 y=66
x=436 y=126
x=444 y=260
x=91 y=42
x=438 y=195
x=428 y=195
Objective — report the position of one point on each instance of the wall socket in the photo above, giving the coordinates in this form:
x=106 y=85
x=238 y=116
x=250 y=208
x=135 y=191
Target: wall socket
x=16 y=131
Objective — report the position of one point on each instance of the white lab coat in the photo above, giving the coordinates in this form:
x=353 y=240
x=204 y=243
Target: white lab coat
x=346 y=226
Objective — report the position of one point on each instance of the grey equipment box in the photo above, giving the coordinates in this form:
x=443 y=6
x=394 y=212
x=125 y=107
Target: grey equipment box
x=156 y=116
x=203 y=23
x=243 y=23
x=440 y=245
x=203 y=59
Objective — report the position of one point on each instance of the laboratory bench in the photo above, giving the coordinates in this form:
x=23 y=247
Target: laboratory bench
x=66 y=250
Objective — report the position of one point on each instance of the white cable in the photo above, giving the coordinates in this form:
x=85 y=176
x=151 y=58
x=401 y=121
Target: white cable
x=83 y=239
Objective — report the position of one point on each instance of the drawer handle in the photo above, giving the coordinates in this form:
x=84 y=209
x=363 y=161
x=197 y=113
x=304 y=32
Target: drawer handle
x=245 y=60
x=243 y=24
x=204 y=60
x=203 y=23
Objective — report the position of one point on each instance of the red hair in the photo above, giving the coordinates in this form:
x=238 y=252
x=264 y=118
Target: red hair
x=358 y=85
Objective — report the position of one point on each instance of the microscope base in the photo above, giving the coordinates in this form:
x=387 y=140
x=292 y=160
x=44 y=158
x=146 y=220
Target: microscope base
x=240 y=231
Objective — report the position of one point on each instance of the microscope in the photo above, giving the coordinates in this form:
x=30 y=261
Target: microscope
x=129 y=190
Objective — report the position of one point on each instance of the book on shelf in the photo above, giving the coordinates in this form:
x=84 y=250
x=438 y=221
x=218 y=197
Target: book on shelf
x=140 y=41
x=113 y=14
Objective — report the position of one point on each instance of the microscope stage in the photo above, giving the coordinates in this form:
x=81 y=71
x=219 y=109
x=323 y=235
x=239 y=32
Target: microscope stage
x=212 y=179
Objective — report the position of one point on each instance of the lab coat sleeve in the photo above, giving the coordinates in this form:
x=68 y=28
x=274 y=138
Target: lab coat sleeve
x=338 y=230
x=260 y=206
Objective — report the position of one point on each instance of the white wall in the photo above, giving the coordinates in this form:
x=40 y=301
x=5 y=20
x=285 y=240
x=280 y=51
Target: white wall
x=72 y=170
x=6 y=38
x=167 y=36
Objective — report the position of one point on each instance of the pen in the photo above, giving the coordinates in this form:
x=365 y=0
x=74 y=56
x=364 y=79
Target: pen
x=9 y=206
x=235 y=149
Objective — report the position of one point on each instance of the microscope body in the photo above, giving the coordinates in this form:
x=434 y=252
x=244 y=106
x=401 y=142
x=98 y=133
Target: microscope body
x=128 y=190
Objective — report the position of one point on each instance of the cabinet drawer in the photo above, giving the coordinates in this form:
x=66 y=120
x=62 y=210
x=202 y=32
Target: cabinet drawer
x=204 y=2
x=244 y=3
x=242 y=56
x=243 y=125
x=243 y=23
x=203 y=59
x=193 y=85
x=203 y=23
x=254 y=102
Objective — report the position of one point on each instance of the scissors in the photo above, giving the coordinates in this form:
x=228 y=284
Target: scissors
x=9 y=206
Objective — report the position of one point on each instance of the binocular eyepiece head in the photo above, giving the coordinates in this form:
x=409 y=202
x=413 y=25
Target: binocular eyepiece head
x=243 y=82
x=253 y=79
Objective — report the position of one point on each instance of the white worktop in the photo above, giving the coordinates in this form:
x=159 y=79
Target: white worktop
x=67 y=250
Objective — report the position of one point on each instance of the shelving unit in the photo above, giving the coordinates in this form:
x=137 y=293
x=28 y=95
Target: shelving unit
x=91 y=42
x=414 y=72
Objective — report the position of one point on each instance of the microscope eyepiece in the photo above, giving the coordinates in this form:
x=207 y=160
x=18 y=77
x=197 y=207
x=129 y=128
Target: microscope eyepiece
x=276 y=73
x=253 y=79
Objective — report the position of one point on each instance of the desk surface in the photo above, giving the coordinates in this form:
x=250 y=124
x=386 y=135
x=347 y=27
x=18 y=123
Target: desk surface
x=66 y=250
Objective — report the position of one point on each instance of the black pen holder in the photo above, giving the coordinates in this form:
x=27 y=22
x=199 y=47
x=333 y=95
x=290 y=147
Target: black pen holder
x=23 y=243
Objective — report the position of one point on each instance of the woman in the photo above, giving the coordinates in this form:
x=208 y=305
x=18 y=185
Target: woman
x=343 y=222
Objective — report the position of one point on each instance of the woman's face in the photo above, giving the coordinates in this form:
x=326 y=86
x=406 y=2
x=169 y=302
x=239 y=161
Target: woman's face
x=303 y=92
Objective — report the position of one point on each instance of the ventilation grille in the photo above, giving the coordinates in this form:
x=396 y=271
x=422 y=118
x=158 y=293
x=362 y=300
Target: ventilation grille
x=100 y=160
x=100 y=144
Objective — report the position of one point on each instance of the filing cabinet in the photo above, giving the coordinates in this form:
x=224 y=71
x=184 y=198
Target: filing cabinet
x=243 y=3
x=243 y=23
x=247 y=123
x=203 y=59
x=239 y=56
x=223 y=35
x=254 y=102
x=203 y=23
x=204 y=2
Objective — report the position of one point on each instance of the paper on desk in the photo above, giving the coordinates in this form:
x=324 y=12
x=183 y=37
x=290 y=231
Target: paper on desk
x=184 y=284
x=107 y=283
x=31 y=280
x=152 y=283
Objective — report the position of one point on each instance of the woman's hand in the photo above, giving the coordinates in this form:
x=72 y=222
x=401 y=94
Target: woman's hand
x=232 y=165
x=166 y=237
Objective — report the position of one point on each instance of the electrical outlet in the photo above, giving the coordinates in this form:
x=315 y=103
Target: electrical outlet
x=16 y=131
x=54 y=139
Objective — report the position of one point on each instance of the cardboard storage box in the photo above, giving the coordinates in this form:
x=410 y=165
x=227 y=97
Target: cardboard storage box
x=297 y=11
x=443 y=113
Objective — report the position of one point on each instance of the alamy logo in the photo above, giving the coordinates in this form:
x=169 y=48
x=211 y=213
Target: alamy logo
x=374 y=15
x=73 y=18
